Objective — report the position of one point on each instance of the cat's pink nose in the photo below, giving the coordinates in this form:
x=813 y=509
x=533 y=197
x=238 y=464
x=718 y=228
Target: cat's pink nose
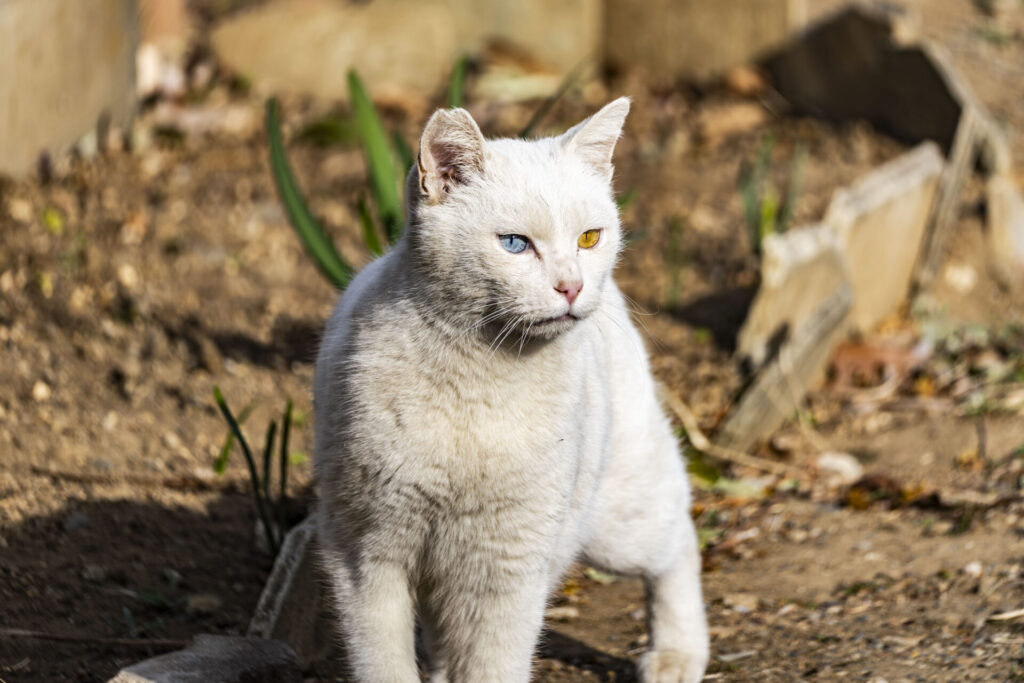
x=571 y=290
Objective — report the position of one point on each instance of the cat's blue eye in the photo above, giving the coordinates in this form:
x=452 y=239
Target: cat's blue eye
x=514 y=244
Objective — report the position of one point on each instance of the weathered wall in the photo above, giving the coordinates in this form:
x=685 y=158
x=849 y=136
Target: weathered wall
x=63 y=64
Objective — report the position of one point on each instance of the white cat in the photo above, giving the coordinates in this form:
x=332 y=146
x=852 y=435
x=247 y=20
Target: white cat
x=486 y=415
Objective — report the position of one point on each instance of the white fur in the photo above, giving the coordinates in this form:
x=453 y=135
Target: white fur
x=472 y=440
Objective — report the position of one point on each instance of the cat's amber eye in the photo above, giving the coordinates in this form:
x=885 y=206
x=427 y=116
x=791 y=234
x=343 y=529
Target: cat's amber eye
x=589 y=239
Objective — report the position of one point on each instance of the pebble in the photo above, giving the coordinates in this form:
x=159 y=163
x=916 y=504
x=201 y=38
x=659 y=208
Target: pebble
x=41 y=391
x=563 y=613
x=74 y=521
x=972 y=569
x=20 y=210
x=842 y=468
x=202 y=604
x=742 y=602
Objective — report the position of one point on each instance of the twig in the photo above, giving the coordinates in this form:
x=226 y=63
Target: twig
x=705 y=446
x=1007 y=616
x=161 y=643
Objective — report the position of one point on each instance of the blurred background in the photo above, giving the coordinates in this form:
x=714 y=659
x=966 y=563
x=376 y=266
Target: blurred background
x=825 y=254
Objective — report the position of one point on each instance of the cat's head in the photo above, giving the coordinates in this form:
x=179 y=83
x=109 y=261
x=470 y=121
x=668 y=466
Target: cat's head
x=516 y=234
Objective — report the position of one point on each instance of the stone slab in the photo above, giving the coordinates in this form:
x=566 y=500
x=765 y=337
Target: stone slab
x=396 y=46
x=1005 y=230
x=293 y=606
x=219 y=659
x=780 y=386
x=56 y=79
x=800 y=269
x=881 y=222
x=695 y=39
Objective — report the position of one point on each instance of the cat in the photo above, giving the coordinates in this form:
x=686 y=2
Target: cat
x=485 y=415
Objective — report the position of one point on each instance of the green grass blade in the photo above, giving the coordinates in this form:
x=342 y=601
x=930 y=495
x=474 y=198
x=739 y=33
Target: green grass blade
x=369 y=229
x=456 y=85
x=220 y=465
x=318 y=245
x=282 y=479
x=380 y=163
x=261 y=509
x=548 y=104
x=268 y=451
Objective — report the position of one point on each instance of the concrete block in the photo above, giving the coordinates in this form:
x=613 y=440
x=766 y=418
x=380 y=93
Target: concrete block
x=880 y=221
x=780 y=386
x=397 y=46
x=63 y=66
x=1005 y=229
x=695 y=39
x=219 y=659
x=800 y=270
x=293 y=607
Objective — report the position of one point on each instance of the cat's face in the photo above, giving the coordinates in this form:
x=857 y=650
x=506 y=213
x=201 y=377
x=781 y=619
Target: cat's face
x=519 y=237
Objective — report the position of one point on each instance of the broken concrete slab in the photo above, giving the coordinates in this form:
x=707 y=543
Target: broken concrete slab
x=800 y=269
x=1005 y=229
x=223 y=659
x=57 y=81
x=670 y=39
x=293 y=606
x=780 y=386
x=880 y=221
x=402 y=46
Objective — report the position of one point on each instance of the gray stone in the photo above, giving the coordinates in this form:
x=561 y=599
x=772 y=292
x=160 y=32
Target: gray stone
x=800 y=269
x=219 y=659
x=1005 y=229
x=293 y=606
x=779 y=387
x=685 y=39
x=880 y=221
x=57 y=80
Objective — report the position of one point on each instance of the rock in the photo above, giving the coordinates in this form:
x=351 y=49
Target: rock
x=203 y=604
x=20 y=210
x=961 y=277
x=399 y=46
x=800 y=270
x=1005 y=229
x=56 y=80
x=745 y=80
x=779 y=386
x=972 y=569
x=742 y=602
x=563 y=613
x=293 y=606
x=224 y=659
x=719 y=122
x=880 y=221
x=74 y=521
x=670 y=40
x=41 y=391
x=842 y=468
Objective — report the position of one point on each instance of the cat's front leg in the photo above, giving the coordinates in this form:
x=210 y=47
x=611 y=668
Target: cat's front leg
x=377 y=618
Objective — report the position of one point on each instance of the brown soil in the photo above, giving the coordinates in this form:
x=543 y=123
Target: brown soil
x=173 y=269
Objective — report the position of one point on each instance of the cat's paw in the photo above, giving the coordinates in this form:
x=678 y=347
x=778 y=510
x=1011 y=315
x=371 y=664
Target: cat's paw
x=672 y=666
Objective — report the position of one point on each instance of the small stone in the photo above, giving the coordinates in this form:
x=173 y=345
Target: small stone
x=94 y=573
x=962 y=277
x=842 y=468
x=20 y=210
x=742 y=602
x=230 y=659
x=75 y=521
x=563 y=613
x=745 y=80
x=41 y=391
x=109 y=422
x=972 y=569
x=127 y=276
x=639 y=614
x=202 y=604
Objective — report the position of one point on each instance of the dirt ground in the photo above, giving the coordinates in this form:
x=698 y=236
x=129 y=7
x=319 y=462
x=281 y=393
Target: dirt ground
x=133 y=282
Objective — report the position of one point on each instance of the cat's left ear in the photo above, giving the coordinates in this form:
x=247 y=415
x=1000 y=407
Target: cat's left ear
x=451 y=152
x=594 y=139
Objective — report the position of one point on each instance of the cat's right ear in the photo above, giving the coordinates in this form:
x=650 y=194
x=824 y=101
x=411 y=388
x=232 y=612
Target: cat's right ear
x=451 y=152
